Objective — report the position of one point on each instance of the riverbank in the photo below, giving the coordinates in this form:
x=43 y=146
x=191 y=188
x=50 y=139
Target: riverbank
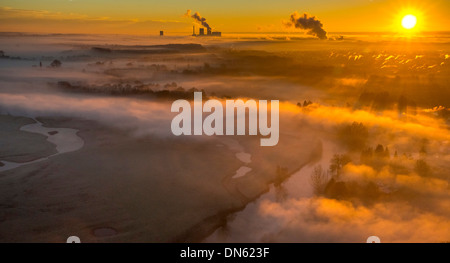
x=249 y=225
x=64 y=140
x=19 y=146
x=145 y=188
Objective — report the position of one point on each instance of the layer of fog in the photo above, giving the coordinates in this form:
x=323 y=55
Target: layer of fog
x=418 y=211
x=420 y=74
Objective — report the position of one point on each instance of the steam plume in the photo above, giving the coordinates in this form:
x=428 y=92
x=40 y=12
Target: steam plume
x=198 y=18
x=310 y=23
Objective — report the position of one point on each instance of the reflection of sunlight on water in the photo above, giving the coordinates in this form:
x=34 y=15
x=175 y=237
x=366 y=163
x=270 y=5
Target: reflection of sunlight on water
x=249 y=225
x=243 y=170
x=244 y=157
x=241 y=155
x=66 y=140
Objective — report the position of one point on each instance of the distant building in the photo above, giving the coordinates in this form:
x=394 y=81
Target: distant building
x=161 y=33
x=209 y=33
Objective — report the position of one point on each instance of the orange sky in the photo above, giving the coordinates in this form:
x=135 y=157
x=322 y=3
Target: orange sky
x=148 y=17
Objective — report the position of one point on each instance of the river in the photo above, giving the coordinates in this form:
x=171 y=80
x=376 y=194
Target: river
x=65 y=139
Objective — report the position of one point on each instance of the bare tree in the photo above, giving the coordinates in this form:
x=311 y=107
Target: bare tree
x=318 y=179
x=337 y=162
x=56 y=64
x=353 y=136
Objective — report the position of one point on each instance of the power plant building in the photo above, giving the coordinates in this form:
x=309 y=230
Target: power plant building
x=209 y=32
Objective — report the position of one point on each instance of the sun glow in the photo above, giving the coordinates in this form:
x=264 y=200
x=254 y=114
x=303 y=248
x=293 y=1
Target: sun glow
x=409 y=21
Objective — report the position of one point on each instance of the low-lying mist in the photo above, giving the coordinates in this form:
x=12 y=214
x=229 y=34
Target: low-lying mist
x=380 y=111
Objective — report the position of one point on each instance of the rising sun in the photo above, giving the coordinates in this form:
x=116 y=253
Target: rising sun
x=409 y=21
